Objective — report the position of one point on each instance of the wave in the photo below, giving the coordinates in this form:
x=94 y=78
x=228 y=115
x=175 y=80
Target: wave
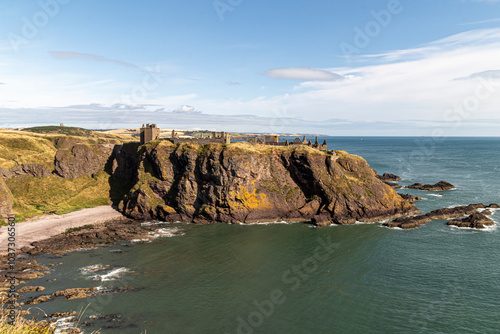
x=487 y=229
x=62 y=325
x=111 y=275
x=93 y=268
x=436 y=195
x=155 y=222
x=268 y=223
x=166 y=232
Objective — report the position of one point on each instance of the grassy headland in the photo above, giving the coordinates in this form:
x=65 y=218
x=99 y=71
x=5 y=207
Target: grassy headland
x=34 y=196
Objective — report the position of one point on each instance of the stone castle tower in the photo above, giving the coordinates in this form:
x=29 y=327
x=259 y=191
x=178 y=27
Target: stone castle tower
x=149 y=132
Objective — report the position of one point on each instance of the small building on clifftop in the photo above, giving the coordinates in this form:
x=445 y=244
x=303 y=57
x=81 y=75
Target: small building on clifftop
x=149 y=132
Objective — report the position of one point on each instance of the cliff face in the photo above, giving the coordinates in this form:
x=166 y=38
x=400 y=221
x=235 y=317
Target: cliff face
x=241 y=183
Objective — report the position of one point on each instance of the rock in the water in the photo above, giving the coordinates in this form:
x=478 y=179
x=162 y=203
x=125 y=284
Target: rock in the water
x=75 y=293
x=25 y=289
x=440 y=186
x=62 y=314
x=39 y=300
x=411 y=198
x=389 y=177
x=445 y=213
x=475 y=220
x=394 y=185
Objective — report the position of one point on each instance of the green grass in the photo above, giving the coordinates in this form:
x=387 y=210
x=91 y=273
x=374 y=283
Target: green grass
x=18 y=149
x=65 y=130
x=35 y=196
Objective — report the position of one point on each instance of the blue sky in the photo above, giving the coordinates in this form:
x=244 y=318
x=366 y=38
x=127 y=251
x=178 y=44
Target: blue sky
x=390 y=67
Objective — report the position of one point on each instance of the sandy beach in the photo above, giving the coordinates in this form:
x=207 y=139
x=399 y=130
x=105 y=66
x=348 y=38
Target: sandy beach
x=46 y=226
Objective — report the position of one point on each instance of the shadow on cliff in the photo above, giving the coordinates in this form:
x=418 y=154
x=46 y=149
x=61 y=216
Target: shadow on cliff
x=122 y=171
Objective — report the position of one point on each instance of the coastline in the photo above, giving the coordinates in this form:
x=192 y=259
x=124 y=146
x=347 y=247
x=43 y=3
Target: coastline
x=45 y=226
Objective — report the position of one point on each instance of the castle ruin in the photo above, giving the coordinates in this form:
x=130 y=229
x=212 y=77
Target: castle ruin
x=219 y=138
x=149 y=132
x=152 y=132
x=273 y=141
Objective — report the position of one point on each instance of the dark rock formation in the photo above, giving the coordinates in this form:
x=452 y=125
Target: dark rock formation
x=445 y=213
x=393 y=185
x=82 y=159
x=239 y=184
x=411 y=198
x=92 y=236
x=440 y=186
x=25 y=289
x=39 y=300
x=388 y=177
x=77 y=293
x=475 y=220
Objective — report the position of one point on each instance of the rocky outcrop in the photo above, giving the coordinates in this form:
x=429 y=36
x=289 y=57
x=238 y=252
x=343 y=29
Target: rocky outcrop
x=5 y=173
x=445 y=213
x=440 y=186
x=411 y=198
x=6 y=202
x=77 y=293
x=393 y=185
x=26 y=289
x=238 y=183
x=389 y=177
x=475 y=220
x=90 y=236
x=35 y=170
x=82 y=159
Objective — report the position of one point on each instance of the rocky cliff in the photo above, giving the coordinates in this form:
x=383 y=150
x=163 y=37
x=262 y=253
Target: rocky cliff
x=242 y=183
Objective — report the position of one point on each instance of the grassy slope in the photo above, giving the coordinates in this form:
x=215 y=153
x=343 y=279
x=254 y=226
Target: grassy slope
x=35 y=196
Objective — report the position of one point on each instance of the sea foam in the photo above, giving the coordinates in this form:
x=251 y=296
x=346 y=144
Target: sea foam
x=111 y=275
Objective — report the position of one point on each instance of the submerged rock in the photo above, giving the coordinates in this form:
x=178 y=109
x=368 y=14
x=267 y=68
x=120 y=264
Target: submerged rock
x=440 y=186
x=475 y=220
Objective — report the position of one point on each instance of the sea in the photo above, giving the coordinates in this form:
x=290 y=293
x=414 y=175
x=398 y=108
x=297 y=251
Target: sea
x=291 y=278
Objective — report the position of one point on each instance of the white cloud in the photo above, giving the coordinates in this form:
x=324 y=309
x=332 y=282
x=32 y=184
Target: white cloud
x=302 y=74
x=185 y=109
x=398 y=92
x=490 y=74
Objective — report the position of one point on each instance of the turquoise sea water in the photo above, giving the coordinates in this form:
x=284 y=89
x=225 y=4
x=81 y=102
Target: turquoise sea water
x=294 y=278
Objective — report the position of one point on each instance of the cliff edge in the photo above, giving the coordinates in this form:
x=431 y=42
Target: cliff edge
x=243 y=183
